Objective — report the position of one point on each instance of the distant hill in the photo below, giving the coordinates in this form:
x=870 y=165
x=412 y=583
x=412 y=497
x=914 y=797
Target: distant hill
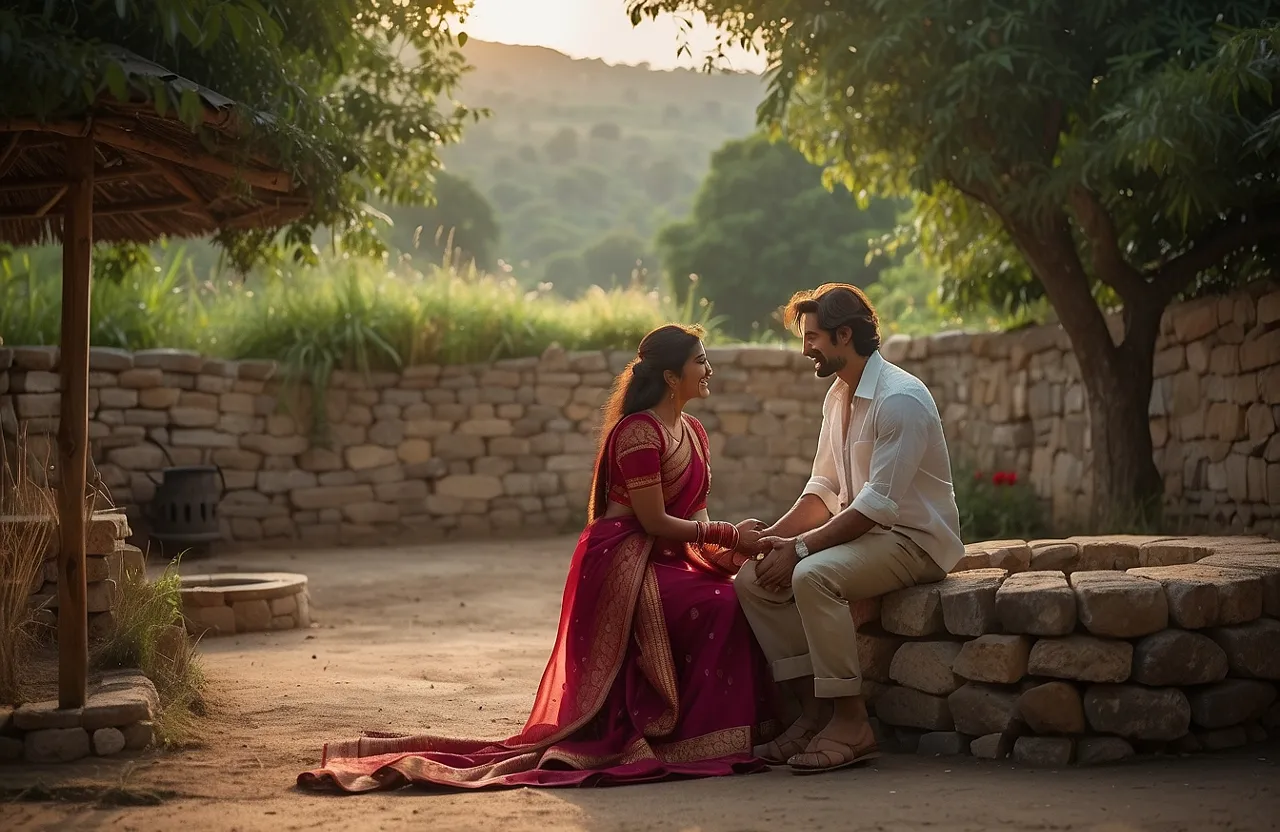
x=581 y=157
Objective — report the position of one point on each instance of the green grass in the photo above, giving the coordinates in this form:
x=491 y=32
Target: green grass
x=347 y=313
x=149 y=634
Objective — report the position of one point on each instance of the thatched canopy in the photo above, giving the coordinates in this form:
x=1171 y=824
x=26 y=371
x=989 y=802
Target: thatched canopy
x=153 y=176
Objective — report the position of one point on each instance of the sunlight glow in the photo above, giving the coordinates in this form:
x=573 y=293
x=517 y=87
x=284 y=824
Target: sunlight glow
x=597 y=29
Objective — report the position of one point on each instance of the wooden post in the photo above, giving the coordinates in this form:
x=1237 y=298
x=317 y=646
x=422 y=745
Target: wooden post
x=73 y=425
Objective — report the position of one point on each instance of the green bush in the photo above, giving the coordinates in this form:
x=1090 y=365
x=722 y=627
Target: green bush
x=996 y=506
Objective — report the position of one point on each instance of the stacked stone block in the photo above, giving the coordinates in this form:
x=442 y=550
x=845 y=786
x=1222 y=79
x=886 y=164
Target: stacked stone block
x=108 y=559
x=118 y=716
x=1129 y=644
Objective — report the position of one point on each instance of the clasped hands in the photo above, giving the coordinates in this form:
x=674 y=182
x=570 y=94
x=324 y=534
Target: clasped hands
x=775 y=556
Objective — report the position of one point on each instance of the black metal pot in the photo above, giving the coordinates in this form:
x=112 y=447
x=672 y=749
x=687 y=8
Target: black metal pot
x=185 y=506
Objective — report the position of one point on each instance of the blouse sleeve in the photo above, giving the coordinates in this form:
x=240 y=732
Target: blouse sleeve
x=637 y=449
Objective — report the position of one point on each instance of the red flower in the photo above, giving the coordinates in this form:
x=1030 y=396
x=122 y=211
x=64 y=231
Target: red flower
x=1004 y=478
x=979 y=476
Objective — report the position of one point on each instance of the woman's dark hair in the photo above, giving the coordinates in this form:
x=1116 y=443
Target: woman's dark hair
x=640 y=386
x=837 y=305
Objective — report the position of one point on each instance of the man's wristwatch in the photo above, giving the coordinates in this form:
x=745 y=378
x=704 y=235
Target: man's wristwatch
x=802 y=551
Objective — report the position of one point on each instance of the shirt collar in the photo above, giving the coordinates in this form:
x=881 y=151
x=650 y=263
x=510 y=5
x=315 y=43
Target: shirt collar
x=870 y=377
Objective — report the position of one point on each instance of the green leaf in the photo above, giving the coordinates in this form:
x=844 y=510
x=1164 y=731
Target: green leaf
x=462 y=39
x=116 y=80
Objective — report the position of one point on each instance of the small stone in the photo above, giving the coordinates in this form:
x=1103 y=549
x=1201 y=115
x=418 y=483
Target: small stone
x=926 y=666
x=139 y=735
x=875 y=654
x=1223 y=739
x=1137 y=712
x=907 y=707
x=120 y=700
x=915 y=611
x=1044 y=752
x=1096 y=751
x=1178 y=657
x=56 y=745
x=1208 y=596
x=252 y=616
x=1085 y=658
x=1054 y=555
x=10 y=749
x=1053 y=708
x=993 y=658
x=943 y=744
x=1231 y=702
x=969 y=601
x=1119 y=604
x=1037 y=603
x=983 y=709
x=990 y=747
x=1253 y=649
x=36 y=716
x=108 y=741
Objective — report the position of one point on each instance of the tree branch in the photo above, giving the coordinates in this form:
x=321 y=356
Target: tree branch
x=1104 y=246
x=1241 y=230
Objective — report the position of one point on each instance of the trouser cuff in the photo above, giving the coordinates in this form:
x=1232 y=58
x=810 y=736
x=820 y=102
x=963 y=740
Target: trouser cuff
x=837 y=688
x=792 y=667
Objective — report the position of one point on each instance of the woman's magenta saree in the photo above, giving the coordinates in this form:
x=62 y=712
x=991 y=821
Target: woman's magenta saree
x=654 y=675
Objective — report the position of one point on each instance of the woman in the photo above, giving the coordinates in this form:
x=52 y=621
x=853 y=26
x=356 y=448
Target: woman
x=655 y=672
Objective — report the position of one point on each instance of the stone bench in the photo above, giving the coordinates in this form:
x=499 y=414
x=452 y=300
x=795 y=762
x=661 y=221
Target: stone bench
x=1085 y=650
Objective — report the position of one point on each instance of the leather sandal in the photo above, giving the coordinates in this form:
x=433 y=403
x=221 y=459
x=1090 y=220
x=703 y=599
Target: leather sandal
x=785 y=746
x=831 y=755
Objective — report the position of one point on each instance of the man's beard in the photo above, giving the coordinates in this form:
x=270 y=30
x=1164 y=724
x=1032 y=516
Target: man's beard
x=826 y=367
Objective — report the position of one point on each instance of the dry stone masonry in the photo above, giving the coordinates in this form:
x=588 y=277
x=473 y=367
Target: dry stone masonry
x=118 y=716
x=1130 y=644
x=507 y=448
x=108 y=560
x=225 y=604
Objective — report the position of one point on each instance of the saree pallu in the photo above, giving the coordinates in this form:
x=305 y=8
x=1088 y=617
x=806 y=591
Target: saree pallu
x=654 y=674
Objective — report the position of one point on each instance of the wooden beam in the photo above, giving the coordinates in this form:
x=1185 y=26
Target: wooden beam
x=73 y=426
x=180 y=183
x=9 y=155
x=54 y=200
x=112 y=174
x=158 y=206
x=277 y=181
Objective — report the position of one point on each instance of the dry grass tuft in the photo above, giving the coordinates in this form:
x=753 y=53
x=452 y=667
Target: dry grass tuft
x=22 y=549
x=149 y=634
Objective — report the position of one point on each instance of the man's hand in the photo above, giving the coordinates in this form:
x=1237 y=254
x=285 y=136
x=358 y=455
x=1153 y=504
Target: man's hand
x=749 y=532
x=774 y=572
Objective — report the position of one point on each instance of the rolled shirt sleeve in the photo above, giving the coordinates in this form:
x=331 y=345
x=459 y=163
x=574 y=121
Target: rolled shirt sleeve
x=901 y=437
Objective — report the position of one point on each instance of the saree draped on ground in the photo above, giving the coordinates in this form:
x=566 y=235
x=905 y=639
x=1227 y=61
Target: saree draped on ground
x=654 y=673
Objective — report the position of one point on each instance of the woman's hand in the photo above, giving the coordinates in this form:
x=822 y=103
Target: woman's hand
x=749 y=532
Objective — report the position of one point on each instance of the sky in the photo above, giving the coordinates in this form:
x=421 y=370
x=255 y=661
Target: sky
x=596 y=29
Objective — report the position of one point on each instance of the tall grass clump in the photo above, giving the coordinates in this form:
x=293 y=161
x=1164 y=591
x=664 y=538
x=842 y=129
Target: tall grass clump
x=162 y=305
x=148 y=634
x=27 y=514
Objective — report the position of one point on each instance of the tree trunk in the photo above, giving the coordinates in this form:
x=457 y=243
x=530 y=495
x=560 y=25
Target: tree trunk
x=1127 y=487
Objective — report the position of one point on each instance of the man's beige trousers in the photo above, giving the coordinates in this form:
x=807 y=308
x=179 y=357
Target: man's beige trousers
x=807 y=630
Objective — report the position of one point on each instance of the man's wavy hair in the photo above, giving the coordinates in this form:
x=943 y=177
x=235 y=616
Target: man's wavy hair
x=837 y=305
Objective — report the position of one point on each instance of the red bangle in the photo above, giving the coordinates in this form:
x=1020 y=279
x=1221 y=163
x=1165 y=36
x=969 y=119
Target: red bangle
x=723 y=534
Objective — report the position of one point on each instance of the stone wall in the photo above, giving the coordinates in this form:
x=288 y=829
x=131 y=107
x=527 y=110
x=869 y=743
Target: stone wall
x=108 y=560
x=508 y=448
x=1085 y=650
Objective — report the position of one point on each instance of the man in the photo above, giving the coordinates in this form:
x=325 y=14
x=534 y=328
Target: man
x=878 y=514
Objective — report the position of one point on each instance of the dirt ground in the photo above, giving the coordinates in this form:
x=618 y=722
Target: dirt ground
x=452 y=638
